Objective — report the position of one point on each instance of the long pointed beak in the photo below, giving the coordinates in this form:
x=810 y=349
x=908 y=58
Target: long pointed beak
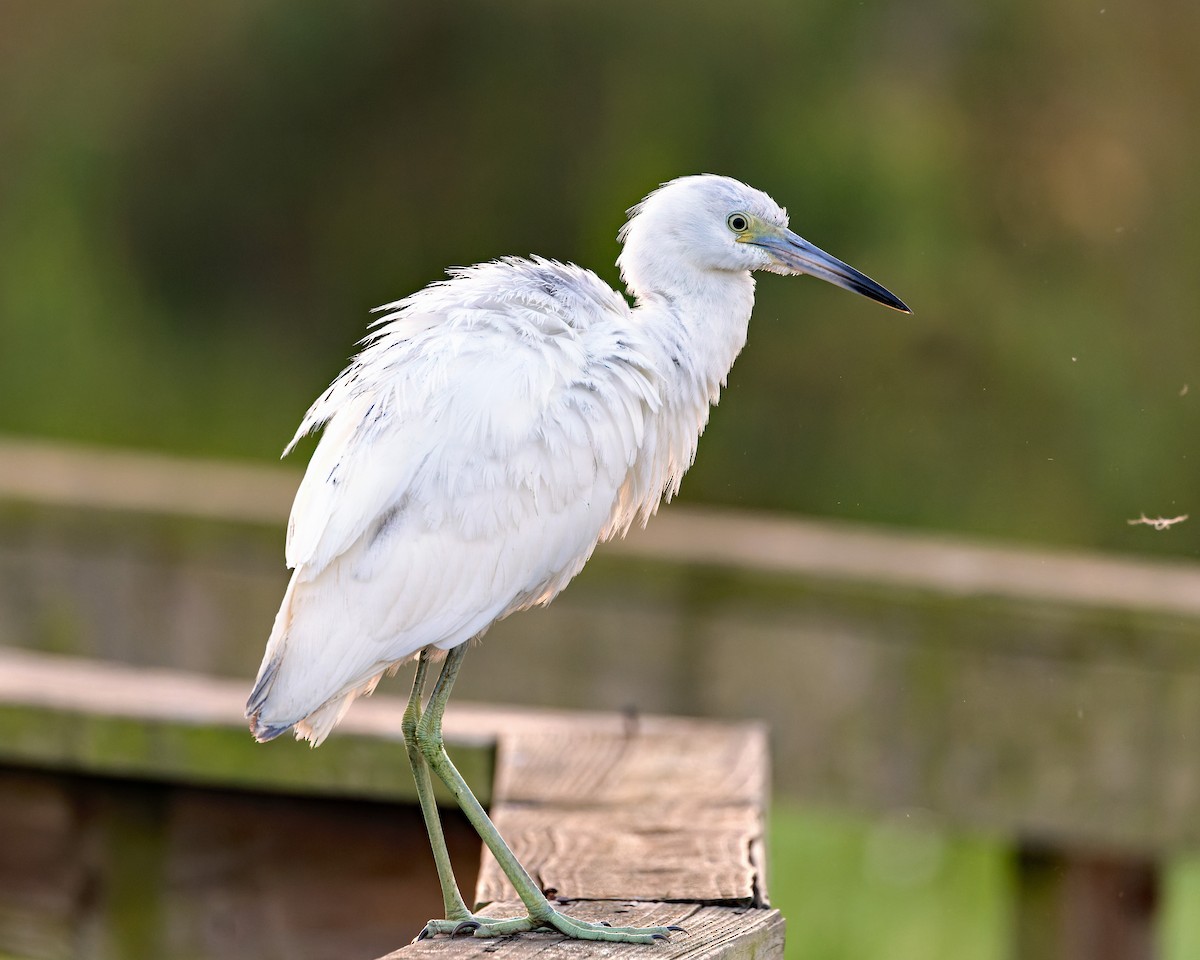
x=794 y=254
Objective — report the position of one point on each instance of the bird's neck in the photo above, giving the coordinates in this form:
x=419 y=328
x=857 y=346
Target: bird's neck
x=700 y=328
x=694 y=332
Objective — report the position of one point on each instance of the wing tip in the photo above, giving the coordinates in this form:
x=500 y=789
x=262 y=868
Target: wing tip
x=262 y=732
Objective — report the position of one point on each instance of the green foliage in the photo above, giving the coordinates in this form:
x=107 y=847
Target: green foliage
x=201 y=202
x=1180 y=931
x=896 y=888
x=902 y=888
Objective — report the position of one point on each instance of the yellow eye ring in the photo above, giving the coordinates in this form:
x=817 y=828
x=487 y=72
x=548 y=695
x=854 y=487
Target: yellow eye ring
x=738 y=222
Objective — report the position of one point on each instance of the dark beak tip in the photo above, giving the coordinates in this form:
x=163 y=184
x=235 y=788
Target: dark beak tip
x=886 y=297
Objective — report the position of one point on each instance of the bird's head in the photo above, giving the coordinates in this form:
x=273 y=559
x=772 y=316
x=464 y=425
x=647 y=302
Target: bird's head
x=714 y=223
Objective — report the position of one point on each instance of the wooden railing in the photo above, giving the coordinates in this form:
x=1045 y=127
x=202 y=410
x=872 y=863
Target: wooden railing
x=147 y=790
x=1049 y=696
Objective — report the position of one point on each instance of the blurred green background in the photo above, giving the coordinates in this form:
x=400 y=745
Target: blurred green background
x=199 y=203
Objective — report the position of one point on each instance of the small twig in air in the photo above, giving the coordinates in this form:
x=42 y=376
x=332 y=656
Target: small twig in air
x=1158 y=523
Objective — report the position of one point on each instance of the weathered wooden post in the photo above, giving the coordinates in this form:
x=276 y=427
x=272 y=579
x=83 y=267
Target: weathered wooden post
x=138 y=819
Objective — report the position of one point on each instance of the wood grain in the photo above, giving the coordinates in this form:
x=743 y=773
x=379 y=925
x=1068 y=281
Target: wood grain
x=661 y=852
x=696 y=762
x=652 y=809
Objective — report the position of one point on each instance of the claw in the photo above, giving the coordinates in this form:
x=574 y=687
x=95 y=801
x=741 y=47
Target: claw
x=660 y=936
x=676 y=928
x=423 y=935
x=466 y=925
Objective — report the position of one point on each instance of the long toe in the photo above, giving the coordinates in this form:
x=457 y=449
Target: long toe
x=582 y=930
x=552 y=921
x=454 y=928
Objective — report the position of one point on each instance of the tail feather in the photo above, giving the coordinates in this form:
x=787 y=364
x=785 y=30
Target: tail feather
x=318 y=660
x=317 y=725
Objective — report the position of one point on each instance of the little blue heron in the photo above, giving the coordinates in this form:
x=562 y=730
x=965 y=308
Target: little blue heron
x=494 y=427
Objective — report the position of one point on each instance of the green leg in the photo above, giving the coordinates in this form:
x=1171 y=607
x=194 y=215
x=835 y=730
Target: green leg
x=541 y=915
x=456 y=909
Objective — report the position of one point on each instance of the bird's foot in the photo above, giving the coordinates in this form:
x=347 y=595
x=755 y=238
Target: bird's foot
x=553 y=920
x=454 y=928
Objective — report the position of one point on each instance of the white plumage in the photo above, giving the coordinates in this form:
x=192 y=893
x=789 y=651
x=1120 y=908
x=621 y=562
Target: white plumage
x=496 y=426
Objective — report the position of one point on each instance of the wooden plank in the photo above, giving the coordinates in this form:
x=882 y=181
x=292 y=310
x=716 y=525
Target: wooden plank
x=653 y=809
x=56 y=474
x=584 y=764
x=684 y=852
x=945 y=564
x=64 y=713
x=713 y=933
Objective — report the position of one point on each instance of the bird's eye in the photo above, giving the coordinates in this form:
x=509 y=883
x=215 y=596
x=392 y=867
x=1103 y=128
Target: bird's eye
x=738 y=222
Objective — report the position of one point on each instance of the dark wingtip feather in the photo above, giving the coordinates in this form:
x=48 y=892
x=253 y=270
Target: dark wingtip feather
x=262 y=687
x=265 y=731
x=254 y=705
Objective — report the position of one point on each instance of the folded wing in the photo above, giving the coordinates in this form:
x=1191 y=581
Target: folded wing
x=471 y=457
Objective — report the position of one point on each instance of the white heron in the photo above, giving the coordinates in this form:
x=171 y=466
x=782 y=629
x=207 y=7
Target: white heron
x=493 y=429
